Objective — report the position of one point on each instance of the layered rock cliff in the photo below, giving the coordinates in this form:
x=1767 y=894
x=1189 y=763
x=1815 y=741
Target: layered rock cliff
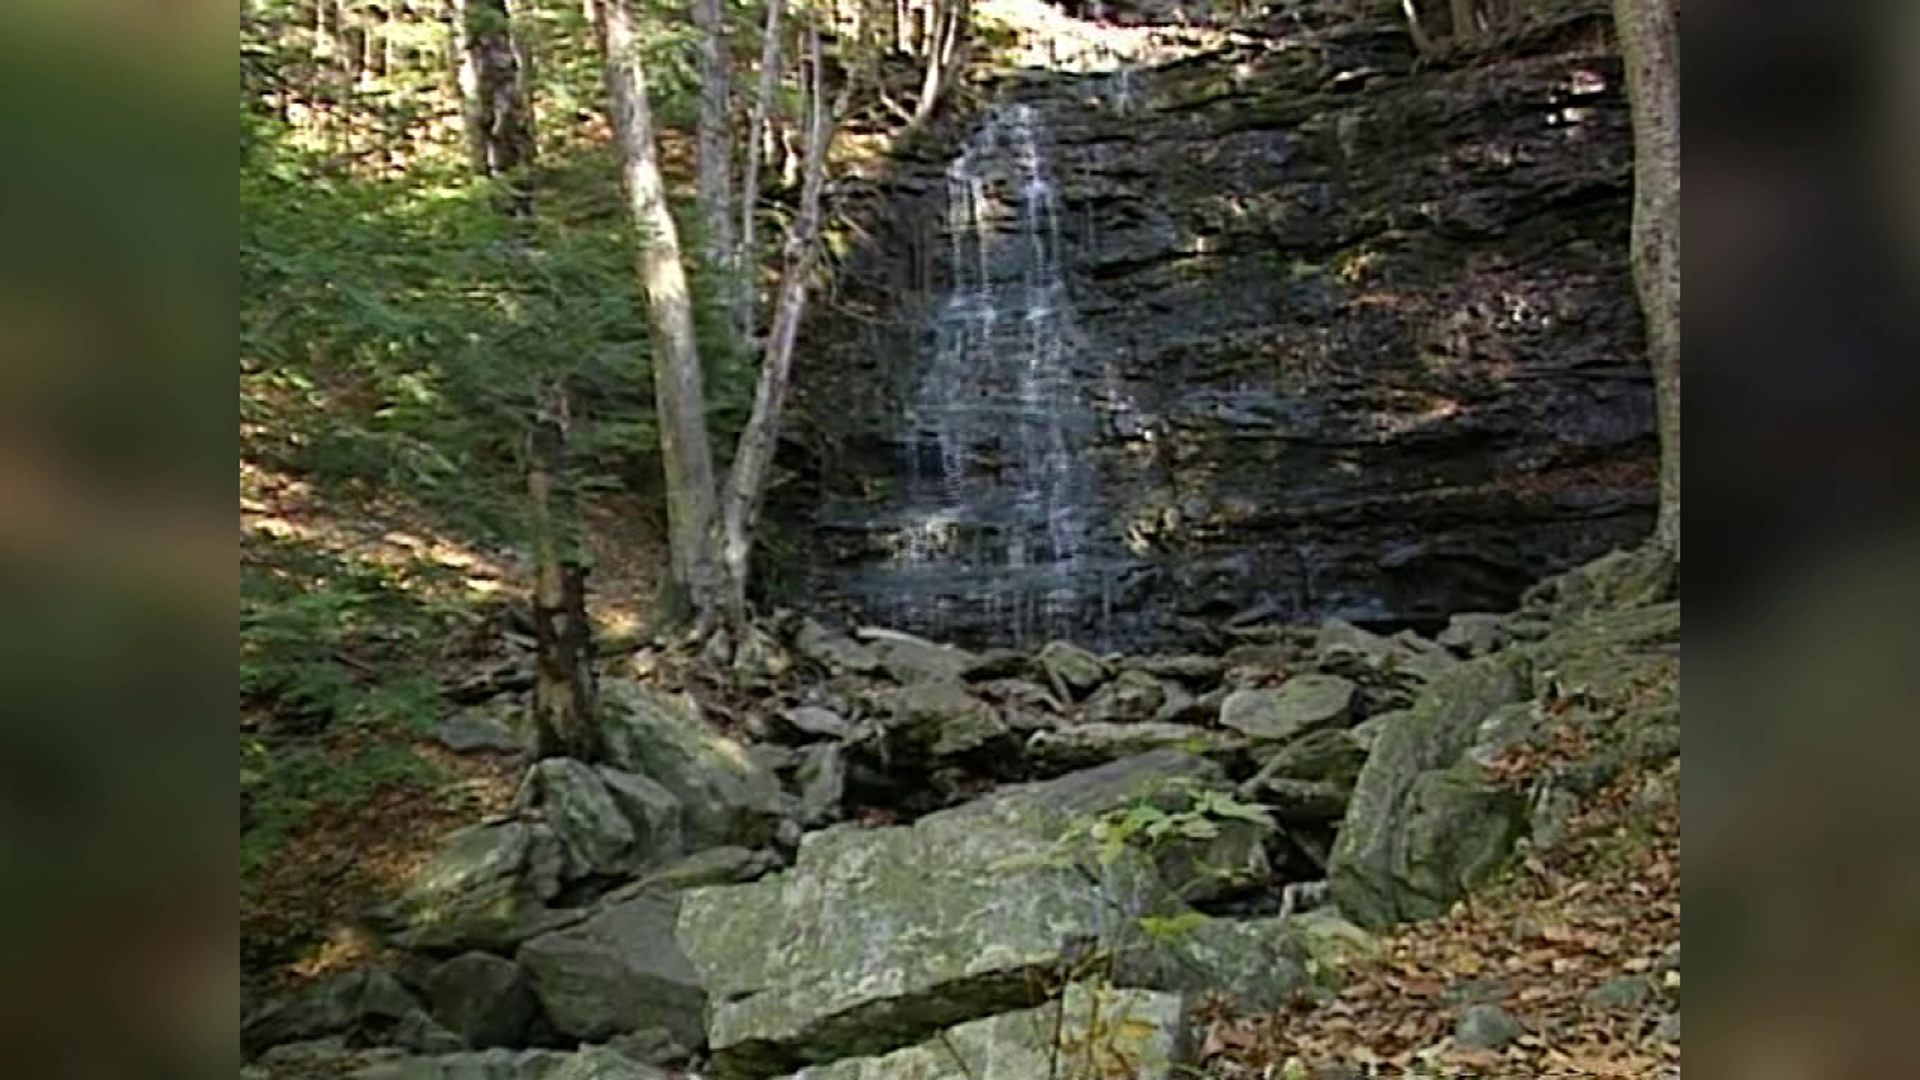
x=1289 y=327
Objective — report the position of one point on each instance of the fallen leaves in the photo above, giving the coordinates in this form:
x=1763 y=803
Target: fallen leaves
x=1605 y=904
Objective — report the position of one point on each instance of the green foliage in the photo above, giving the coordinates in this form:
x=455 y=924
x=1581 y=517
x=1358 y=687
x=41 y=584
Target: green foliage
x=1147 y=824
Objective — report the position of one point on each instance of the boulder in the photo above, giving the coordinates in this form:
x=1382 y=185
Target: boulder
x=483 y=889
x=1073 y=671
x=938 y=719
x=1328 y=755
x=725 y=797
x=1301 y=704
x=1406 y=660
x=910 y=659
x=1304 y=802
x=1089 y=1029
x=594 y=834
x=835 y=652
x=1474 y=633
x=708 y=866
x=822 y=777
x=1083 y=746
x=480 y=728
x=816 y=722
x=1197 y=671
x=486 y=1000
x=1132 y=696
x=358 y=1008
x=877 y=938
x=1258 y=963
x=619 y=971
x=1424 y=826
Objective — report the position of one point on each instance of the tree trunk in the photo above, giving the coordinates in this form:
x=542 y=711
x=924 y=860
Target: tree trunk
x=747 y=298
x=746 y=483
x=563 y=691
x=679 y=398
x=493 y=89
x=949 y=24
x=1649 y=32
x=713 y=142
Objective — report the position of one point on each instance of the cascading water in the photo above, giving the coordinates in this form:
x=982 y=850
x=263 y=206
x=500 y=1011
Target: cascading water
x=994 y=534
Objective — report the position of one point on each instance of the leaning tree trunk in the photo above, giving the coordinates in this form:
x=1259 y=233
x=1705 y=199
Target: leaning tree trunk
x=747 y=481
x=1649 y=32
x=493 y=89
x=713 y=145
x=679 y=398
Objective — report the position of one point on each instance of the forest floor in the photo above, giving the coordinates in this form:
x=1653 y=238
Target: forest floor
x=345 y=790
x=1580 y=947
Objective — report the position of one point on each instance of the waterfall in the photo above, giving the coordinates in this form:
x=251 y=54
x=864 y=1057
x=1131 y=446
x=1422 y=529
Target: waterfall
x=998 y=484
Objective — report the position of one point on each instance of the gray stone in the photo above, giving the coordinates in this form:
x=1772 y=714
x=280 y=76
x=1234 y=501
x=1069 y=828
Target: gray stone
x=1073 y=671
x=1083 y=746
x=1195 y=670
x=481 y=890
x=1257 y=963
x=1132 y=696
x=477 y=729
x=1625 y=992
x=617 y=972
x=486 y=1000
x=1405 y=660
x=595 y=835
x=1197 y=870
x=1549 y=812
x=653 y=1045
x=1178 y=706
x=1668 y=1029
x=1485 y=1027
x=822 y=777
x=879 y=937
x=1328 y=755
x=817 y=722
x=1474 y=633
x=773 y=758
x=725 y=797
x=1339 y=637
x=1297 y=802
x=1096 y=1025
x=940 y=719
x=835 y=652
x=419 y=1032
x=1367 y=731
x=1301 y=704
x=1505 y=728
x=654 y=813
x=910 y=659
x=305 y=1054
x=589 y=1063
x=1424 y=826
x=709 y=866
x=363 y=1006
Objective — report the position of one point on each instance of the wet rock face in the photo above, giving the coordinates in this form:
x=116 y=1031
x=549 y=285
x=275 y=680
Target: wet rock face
x=1330 y=337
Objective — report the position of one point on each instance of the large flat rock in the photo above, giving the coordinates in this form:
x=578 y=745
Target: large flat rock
x=878 y=938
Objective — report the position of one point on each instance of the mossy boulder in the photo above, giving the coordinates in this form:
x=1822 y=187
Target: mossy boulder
x=878 y=938
x=1423 y=826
